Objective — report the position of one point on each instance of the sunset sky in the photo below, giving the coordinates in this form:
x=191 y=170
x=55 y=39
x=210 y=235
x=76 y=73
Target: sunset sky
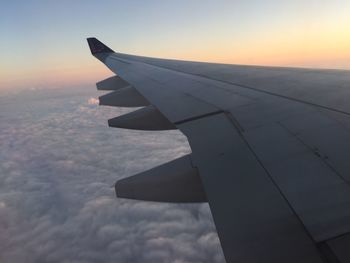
x=60 y=161
x=43 y=42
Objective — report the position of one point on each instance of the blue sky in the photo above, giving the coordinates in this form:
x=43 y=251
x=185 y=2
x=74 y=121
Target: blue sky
x=47 y=38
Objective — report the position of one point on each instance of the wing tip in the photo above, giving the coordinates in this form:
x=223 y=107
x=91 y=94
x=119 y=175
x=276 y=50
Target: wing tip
x=97 y=46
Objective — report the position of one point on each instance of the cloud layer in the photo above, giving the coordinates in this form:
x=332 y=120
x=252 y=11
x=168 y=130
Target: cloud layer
x=59 y=161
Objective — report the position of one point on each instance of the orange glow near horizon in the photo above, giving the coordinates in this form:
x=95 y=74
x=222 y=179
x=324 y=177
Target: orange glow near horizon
x=58 y=77
x=314 y=34
x=303 y=49
x=326 y=45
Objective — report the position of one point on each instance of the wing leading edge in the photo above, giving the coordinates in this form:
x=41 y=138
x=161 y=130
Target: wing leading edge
x=274 y=198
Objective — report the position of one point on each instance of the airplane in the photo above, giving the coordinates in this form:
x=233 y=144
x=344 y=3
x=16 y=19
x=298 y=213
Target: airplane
x=270 y=150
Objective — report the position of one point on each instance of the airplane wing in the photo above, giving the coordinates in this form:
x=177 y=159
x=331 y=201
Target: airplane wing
x=270 y=150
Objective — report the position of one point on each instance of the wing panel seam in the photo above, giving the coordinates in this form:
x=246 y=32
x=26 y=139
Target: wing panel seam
x=198 y=117
x=270 y=177
x=316 y=152
x=251 y=88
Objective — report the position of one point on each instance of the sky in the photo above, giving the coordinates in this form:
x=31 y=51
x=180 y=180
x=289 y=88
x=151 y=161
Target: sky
x=43 y=42
x=59 y=160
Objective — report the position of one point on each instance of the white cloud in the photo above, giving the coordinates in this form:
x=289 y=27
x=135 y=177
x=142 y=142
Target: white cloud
x=57 y=203
x=93 y=101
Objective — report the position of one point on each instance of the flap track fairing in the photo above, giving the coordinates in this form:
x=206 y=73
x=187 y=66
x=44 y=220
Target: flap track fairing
x=176 y=182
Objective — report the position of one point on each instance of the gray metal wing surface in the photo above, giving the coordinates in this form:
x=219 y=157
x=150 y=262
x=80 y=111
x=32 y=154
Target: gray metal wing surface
x=270 y=151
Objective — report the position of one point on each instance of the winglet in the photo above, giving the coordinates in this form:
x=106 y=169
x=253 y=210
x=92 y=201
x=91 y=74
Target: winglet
x=97 y=46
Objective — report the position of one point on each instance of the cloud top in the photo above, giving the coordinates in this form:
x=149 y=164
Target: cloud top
x=57 y=202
